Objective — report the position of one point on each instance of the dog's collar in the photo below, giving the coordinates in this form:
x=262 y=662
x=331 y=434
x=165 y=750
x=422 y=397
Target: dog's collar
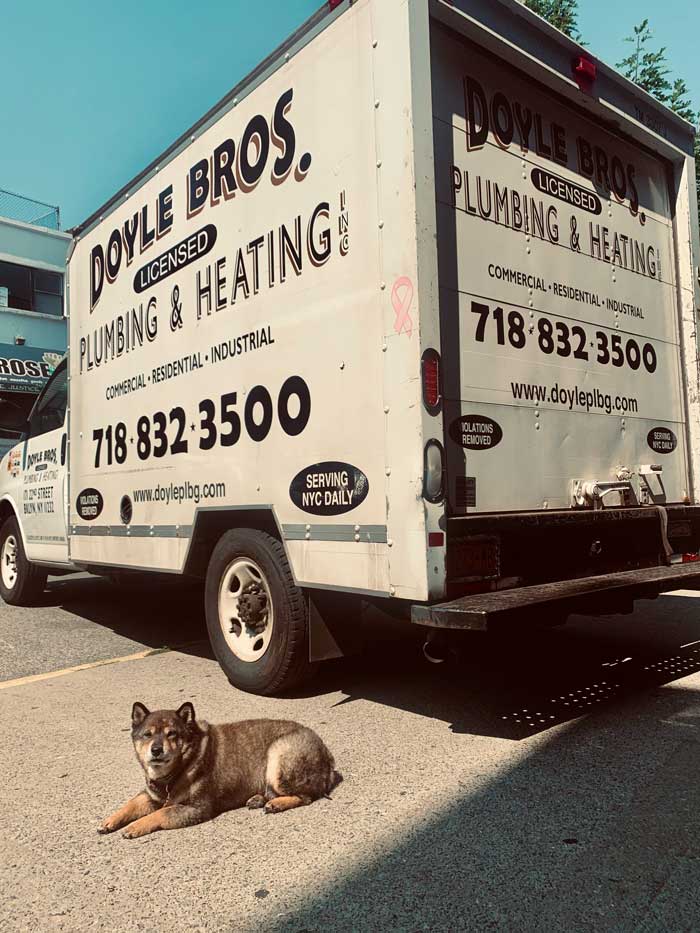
x=161 y=788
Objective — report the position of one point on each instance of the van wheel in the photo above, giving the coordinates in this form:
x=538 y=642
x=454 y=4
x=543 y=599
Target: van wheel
x=21 y=583
x=256 y=615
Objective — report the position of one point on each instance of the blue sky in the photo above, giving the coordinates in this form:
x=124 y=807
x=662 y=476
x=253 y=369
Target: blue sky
x=94 y=91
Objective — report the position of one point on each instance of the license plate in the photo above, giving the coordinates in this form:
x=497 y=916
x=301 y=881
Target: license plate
x=475 y=558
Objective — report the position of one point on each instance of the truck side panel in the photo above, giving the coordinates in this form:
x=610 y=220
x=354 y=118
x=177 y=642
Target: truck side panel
x=228 y=328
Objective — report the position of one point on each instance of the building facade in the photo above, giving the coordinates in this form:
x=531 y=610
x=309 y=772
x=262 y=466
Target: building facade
x=33 y=253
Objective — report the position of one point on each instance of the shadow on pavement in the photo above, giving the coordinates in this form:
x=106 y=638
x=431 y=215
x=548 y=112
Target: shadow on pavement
x=513 y=686
x=597 y=829
x=156 y=615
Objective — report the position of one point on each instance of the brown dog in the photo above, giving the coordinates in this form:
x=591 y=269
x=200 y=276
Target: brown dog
x=195 y=771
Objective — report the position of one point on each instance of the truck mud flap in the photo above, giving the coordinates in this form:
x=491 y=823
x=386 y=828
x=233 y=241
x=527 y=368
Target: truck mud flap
x=586 y=594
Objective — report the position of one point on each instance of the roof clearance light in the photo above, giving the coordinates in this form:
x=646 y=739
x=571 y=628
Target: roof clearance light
x=585 y=72
x=332 y=4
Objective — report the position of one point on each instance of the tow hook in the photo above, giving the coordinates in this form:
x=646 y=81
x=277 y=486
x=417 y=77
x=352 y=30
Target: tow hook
x=436 y=649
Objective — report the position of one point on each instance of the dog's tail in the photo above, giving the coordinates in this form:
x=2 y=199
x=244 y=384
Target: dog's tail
x=334 y=778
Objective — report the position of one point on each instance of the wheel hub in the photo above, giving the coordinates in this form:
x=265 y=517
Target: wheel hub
x=8 y=562
x=253 y=607
x=246 y=609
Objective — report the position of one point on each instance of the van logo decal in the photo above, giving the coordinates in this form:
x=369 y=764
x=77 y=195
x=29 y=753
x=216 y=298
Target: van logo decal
x=476 y=432
x=233 y=167
x=662 y=440
x=329 y=488
x=89 y=504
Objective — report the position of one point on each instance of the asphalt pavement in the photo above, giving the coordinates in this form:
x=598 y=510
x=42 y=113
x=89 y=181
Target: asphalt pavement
x=83 y=619
x=543 y=782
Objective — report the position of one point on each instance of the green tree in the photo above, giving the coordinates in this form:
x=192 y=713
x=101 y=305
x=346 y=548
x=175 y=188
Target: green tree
x=679 y=101
x=649 y=70
x=646 y=68
x=560 y=13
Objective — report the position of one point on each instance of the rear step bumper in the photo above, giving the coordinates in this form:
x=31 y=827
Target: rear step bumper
x=584 y=594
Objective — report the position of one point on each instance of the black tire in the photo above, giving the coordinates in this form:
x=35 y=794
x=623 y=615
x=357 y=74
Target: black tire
x=285 y=662
x=30 y=580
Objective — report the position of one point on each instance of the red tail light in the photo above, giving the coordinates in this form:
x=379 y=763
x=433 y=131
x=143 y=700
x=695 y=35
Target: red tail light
x=690 y=558
x=432 y=383
x=334 y=3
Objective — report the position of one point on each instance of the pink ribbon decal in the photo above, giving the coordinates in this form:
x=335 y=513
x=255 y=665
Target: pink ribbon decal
x=401 y=300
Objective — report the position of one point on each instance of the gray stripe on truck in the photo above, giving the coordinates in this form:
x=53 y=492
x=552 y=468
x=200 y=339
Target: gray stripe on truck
x=372 y=534
x=133 y=531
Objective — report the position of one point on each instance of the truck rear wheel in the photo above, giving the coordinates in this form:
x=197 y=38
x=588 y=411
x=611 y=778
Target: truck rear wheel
x=256 y=615
x=21 y=583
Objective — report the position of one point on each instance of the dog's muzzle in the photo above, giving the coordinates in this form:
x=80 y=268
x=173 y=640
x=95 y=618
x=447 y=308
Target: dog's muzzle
x=157 y=755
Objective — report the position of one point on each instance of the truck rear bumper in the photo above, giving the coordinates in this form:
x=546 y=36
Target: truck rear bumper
x=586 y=594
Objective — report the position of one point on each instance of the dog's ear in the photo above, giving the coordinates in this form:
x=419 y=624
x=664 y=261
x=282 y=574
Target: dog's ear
x=186 y=712
x=138 y=714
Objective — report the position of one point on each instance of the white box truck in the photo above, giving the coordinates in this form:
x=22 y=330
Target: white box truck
x=408 y=318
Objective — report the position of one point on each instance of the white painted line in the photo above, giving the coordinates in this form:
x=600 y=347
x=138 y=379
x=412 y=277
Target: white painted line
x=48 y=675
x=689 y=643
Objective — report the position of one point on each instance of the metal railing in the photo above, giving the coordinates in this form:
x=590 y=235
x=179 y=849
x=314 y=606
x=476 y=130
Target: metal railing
x=29 y=211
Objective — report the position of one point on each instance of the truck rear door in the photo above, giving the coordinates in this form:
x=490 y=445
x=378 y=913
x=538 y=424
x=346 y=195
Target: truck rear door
x=560 y=333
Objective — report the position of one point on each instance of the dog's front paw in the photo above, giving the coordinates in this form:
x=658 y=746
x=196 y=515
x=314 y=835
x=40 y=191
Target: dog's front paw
x=256 y=802
x=144 y=826
x=108 y=825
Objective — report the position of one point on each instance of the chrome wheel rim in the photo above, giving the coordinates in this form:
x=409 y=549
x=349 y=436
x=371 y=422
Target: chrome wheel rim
x=246 y=615
x=8 y=562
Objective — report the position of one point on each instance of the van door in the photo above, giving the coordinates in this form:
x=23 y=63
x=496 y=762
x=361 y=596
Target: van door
x=560 y=332
x=44 y=473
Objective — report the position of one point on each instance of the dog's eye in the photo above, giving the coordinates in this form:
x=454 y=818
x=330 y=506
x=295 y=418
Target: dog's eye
x=148 y=735
x=171 y=734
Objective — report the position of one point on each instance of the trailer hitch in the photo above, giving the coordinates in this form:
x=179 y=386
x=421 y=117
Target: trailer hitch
x=647 y=490
x=591 y=494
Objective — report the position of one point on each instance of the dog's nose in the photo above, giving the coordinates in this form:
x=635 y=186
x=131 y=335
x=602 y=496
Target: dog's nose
x=156 y=750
